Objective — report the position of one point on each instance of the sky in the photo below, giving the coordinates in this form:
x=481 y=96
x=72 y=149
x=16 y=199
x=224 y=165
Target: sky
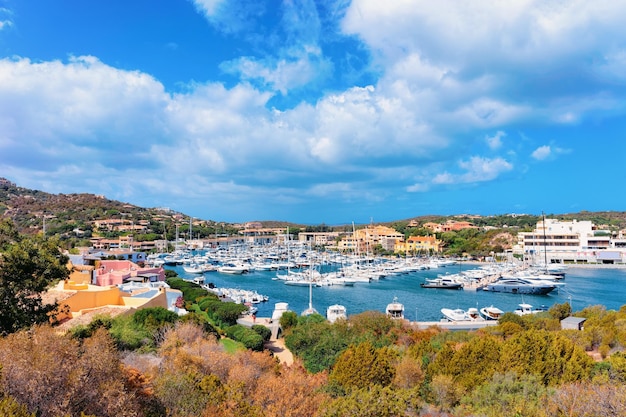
x=318 y=112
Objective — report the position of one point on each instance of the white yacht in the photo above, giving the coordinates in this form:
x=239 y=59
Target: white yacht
x=491 y=313
x=525 y=309
x=395 y=310
x=520 y=286
x=231 y=268
x=458 y=314
x=336 y=312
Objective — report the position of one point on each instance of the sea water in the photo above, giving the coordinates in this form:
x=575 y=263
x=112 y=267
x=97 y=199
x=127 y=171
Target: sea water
x=584 y=287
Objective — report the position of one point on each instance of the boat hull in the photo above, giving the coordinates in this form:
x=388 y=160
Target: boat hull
x=520 y=289
x=441 y=286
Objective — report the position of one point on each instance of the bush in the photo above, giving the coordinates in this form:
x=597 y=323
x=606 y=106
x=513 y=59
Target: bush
x=248 y=337
x=154 y=317
x=227 y=313
x=288 y=319
x=262 y=331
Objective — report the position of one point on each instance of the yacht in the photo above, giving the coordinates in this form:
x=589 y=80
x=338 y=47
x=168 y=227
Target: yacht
x=458 y=314
x=491 y=313
x=336 y=312
x=442 y=282
x=231 y=268
x=395 y=310
x=521 y=286
x=525 y=309
x=193 y=268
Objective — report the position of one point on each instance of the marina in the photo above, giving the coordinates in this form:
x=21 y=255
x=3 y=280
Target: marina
x=584 y=286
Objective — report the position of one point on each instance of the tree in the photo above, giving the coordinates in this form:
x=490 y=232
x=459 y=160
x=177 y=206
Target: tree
x=362 y=366
x=28 y=266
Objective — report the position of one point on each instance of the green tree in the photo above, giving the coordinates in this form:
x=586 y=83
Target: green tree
x=28 y=266
x=560 y=311
x=362 y=366
x=551 y=356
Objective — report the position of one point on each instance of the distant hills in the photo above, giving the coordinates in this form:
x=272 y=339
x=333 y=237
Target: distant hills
x=29 y=208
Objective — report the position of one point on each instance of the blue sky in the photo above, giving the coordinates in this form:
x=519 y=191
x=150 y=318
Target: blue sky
x=318 y=111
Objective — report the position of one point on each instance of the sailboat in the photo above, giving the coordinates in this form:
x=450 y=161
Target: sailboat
x=310 y=310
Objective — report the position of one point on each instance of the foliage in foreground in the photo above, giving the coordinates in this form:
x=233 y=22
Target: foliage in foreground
x=28 y=266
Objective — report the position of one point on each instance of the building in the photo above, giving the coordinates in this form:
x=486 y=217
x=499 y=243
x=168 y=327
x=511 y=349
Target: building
x=364 y=240
x=557 y=241
x=573 y=323
x=454 y=226
x=435 y=227
x=116 y=272
x=418 y=245
x=318 y=238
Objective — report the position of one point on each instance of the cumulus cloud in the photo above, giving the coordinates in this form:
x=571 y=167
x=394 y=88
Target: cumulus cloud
x=444 y=79
x=542 y=153
x=546 y=152
x=476 y=169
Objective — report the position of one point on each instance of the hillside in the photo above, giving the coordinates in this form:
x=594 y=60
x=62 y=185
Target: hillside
x=65 y=212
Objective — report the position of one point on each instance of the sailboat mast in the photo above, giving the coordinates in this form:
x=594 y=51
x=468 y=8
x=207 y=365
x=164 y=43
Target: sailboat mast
x=311 y=289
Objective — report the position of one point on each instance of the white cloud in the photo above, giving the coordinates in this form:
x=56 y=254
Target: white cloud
x=418 y=188
x=484 y=169
x=444 y=77
x=208 y=7
x=283 y=74
x=477 y=169
x=495 y=141
x=542 y=153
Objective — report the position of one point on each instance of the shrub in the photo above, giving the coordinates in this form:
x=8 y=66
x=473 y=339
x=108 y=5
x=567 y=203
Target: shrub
x=248 y=337
x=263 y=331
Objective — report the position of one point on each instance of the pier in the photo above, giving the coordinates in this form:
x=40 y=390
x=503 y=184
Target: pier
x=455 y=325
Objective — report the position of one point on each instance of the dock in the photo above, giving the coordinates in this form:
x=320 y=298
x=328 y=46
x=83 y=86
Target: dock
x=455 y=325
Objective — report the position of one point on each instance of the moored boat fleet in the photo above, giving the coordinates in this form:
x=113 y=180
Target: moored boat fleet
x=301 y=266
x=504 y=277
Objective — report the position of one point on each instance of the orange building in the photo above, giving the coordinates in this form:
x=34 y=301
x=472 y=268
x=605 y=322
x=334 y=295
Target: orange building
x=418 y=244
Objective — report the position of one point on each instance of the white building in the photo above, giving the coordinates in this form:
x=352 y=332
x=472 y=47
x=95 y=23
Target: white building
x=570 y=241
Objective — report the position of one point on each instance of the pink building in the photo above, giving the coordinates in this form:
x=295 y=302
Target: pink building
x=115 y=272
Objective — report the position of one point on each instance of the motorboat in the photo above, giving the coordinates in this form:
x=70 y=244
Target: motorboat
x=336 y=312
x=458 y=314
x=442 y=282
x=193 y=268
x=395 y=309
x=491 y=313
x=526 y=309
x=231 y=268
x=521 y=286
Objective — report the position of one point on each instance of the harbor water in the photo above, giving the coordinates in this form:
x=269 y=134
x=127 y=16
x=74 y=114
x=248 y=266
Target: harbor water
x=584 y=287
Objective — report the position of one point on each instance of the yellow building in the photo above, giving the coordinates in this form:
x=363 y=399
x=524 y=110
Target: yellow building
x=418 y=244
x=364 y=240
